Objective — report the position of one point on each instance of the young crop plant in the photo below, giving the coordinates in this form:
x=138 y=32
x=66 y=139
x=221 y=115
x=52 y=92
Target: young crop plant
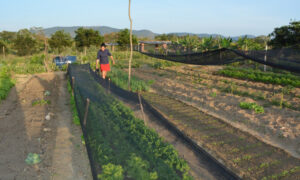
x=252 y=106
x=260 y=76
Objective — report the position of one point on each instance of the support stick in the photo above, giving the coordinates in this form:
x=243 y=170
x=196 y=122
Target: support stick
x=108 y=86
x=86 y=111
x=141 y=105
x=265 y=66
x=73 y=84
x=3 y=49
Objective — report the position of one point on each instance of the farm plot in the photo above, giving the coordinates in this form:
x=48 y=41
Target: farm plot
x=241 y=152
x=197 y=86
x=120 y=145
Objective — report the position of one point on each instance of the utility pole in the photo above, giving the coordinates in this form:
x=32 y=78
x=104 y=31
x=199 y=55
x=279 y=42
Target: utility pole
x=130 y=58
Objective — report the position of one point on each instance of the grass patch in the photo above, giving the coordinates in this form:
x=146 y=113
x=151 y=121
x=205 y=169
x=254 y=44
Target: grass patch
x=75 y=116
x=6 y=83
x=120 y=78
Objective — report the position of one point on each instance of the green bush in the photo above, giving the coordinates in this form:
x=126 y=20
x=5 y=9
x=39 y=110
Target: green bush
x=111 y=172
x=138 y=169
x=36 y=59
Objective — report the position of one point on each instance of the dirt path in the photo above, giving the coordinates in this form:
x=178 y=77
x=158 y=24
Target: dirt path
x=24 y=129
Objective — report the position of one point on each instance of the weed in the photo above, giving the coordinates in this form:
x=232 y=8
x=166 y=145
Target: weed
x=41 y=102
x=213 y=94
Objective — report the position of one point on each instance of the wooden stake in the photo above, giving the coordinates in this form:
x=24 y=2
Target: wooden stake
x=3 y=49
x=108 y=86
x=86 y=111
x=265 y=66
x=73 y=84
x=141 y=105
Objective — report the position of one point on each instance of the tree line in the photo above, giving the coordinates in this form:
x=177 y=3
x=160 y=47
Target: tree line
x=30 y=41
x=281 y=37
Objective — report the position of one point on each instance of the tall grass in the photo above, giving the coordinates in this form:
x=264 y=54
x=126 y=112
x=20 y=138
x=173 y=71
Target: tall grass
x=6 y=83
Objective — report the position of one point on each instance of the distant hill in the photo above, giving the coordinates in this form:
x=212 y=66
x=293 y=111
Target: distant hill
x=139 y=33
x=102 y=29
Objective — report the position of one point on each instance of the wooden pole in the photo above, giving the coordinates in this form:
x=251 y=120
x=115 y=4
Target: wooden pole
x=86 y=111
x=265 y=66
x=130 y=58
x=141 y=106
x=108 y=90
x=73 y=84
x=3 y=49
x=46 y=55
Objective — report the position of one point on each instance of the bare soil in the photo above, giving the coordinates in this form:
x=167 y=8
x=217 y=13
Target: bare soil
x=241 y=152
x=199 y=87
x=24 y=129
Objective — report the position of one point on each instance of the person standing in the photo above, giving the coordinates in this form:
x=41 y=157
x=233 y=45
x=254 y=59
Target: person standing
x=102 y=59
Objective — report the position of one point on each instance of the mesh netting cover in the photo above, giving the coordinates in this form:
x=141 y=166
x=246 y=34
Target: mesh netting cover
x=284 y=58
x=115 y=138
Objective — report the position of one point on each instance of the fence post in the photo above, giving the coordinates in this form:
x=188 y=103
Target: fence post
x=265 y=66
x=73 y=84
x=3 y=49
x=86 y=111
x=141 y=105
x=108 y=91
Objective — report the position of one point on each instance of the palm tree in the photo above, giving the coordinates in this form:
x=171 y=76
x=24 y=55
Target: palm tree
x=207 y=43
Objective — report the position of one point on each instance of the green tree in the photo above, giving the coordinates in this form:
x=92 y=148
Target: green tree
x=162 y=37
x=8 y=36
x=225 y=42
x=124 y=38
x=2 y=45
x=40 y=37
x=25 y=43
x=86 y=37
x=207 y=43
x=188 y=42
x=167 y=37
x=60 y=40
x=286 y=35
x=111 y=37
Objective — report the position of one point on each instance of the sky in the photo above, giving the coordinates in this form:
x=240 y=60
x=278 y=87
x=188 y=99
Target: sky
x=226 y=17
